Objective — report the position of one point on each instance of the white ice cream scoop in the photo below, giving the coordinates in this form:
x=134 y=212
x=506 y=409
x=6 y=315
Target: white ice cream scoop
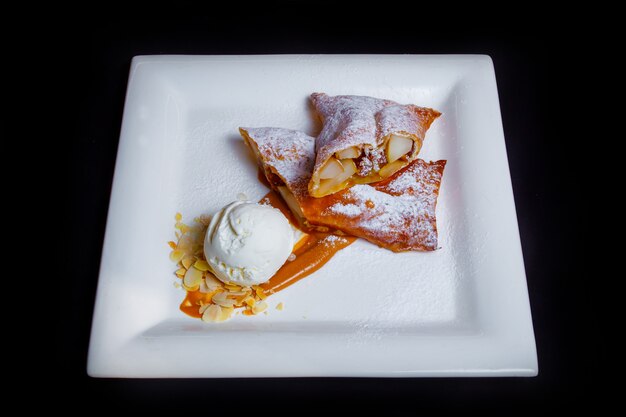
x=246 y=243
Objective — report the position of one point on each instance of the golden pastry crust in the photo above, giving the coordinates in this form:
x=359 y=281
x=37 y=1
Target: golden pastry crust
x=397 y=213
x=365 y=125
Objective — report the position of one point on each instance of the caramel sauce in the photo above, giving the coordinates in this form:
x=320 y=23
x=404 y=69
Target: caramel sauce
x=192 y=300
x=312 y=252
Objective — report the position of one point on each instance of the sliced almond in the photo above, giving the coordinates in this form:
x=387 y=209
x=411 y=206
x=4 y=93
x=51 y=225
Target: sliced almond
x=250 y=301
x=213 y=314
x=259 y=307
x=176 y=255
x=181 y=272
x=260 y=293
x=391 y=168
x=193 y=277
x=203 y=288
x=187 y=261
x=397 y=147
x=350 y=153
x=191 y=289
x=232 y=287
x=203 y=307
x=228 y=303
x=280 y=306
x=186 y=244
x=219 y=296
x=331 y=169
x=212 y=282
x=221 y=299
x=178 y=217
x=172 y=244
x=227 y=312
x=234 y=294
x=202 y=265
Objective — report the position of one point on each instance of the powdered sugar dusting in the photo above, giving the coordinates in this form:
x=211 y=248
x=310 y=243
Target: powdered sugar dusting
x=351 y=210
x=359 y=120
x=388 y=215
x=290 y=153
x=418 y=179
x=398 y=213
x=331 y=240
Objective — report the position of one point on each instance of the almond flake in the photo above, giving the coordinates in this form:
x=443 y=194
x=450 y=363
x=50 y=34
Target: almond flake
x=176 y=255
x=227 y=312
x=280 y=307
x=212 y=314
x=219 y=297
x=191 y=289
x=259 y=307
x=178 y=217
x=232 y=287
x=202 y=265
x=180 y=272
x=186 y=244
x=225 y=303
x=204 y=289
x=260 y=293
x=239 y=301
x=211 y=281
x=187 y=261
x=193 y=277
x=172 y=244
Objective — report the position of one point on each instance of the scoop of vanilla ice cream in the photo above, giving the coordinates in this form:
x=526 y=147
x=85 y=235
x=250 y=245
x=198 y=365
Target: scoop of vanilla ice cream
x=246 y=243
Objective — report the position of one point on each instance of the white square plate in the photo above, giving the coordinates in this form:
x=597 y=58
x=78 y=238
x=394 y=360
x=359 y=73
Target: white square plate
x=460 y=311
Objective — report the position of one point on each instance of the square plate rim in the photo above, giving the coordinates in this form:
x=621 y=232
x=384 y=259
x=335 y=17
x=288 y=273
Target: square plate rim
x=531 y=369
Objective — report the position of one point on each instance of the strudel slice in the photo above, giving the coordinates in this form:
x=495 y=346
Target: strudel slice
x=397 y=213
x=364 y=140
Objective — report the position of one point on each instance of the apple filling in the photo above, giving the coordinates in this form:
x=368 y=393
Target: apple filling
x=356 y=166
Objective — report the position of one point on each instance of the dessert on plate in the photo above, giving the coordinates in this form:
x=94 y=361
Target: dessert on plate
x=359 y=178
x=397 y=213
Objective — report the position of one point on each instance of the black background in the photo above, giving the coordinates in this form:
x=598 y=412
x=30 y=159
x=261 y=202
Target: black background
x=533 y=68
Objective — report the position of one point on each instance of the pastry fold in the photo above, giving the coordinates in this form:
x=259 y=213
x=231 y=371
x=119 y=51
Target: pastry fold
x=364 y=140
x=397 y=213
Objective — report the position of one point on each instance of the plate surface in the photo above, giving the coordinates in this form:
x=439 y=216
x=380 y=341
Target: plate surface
x=460 y=311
